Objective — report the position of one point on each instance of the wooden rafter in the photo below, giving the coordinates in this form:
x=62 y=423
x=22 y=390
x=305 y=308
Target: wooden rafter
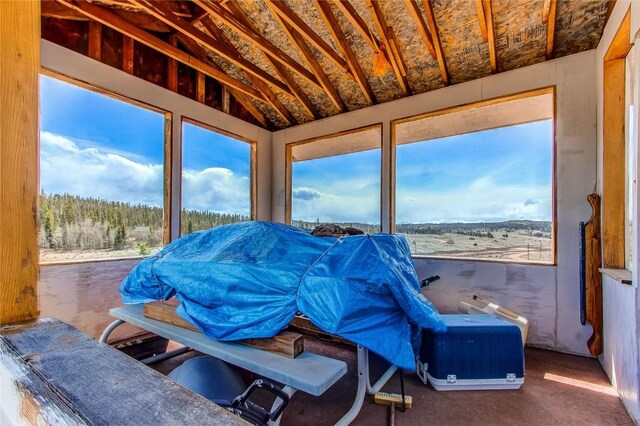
x=551 y=28
x=229 y=19
x=491 y=39
x=280 y=69
x=200 y=52
x=115 y=22
x=311 y=62
x=394 y=46
x=546 y=9
x=482 y=20
x=272 y=98
x=381 y=25
x=341 y=40
x=160 y=11
x=423 y=29
x=433 y=27
x=358 y=23
x=305 y=30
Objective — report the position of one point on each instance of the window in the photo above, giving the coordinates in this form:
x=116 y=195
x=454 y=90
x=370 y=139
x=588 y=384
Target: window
x=335 y=179
x=101 y=175
x=477 y=181
x=216 y=178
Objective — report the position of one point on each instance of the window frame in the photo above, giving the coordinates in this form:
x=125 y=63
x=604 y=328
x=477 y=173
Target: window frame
x=167 y=157
x=253 y=164
x=546 y=90
x=288 y=167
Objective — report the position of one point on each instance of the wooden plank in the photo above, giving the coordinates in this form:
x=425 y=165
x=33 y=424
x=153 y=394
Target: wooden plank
x=414 y=10
x=160 y=11
x=551 y=29
x=491 y=39
x=482 y=20
x=394 y=47
x=19 y=159
x=95 y=40
x=297 y=91
x=172 y=67
x=382 y=26
x=311 y=62
x=620 y=45
x=352 y=60
x=593 y=281
x=614 y=165
x=256 y=39
x=113 y=21
x=225 y=100
x=127 y=54
x=299 y=25
x=200 y=87
x=546 y=10
x=271 y=98
x=304 y=325
x=285 y=343
x=433 y=28
x=358 y=23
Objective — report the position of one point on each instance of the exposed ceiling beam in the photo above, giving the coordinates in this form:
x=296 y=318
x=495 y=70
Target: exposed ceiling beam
x=381 y=25
x=491 y=39
x=280 y=69
x=358 y=23
x=229 y=19
x=546 y=8
x=551 y=29
x=423 y=29
x=114 y=21
x=296 y=22
x=435 y=35
x=272 y=98
x=334 y=27
x=482 y=20
x=394 y=46
x=311 y=62
x=178 y=8
x=160 y=11
x=201 y=53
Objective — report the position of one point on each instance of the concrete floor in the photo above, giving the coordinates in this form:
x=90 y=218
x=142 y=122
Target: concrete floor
x=559 y=389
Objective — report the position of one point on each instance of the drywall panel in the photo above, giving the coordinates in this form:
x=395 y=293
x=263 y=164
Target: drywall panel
x=620 y=359
x=79 y=67
x=549 y=295
x=526 y=289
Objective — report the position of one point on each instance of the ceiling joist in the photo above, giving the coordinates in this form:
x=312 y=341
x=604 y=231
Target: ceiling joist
x=382 y=27
x=433 y=28
x=280 y=69
x=551 y=28
x=225 y=16
x=334 y=27
x=482 y=20
x=115 y=22
x=299 y=25
x=312 y=62
x=358 y=23
x=414 y=10
x=491 y=38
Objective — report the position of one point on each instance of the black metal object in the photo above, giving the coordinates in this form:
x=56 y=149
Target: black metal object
x=425 y=282
x=583 y=277
x=253 y=413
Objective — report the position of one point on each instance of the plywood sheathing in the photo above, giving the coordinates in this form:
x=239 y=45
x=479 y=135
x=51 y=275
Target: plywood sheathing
x=579 y=25
x=465 y=53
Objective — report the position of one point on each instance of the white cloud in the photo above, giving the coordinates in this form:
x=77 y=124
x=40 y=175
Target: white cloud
x=93 y=172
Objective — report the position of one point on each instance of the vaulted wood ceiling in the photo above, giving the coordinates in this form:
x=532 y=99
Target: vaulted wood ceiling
x=278 y=63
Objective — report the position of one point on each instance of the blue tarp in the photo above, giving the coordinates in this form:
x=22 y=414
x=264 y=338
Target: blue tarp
x=248 y=280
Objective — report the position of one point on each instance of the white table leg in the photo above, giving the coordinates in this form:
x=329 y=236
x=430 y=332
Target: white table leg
x=363 y=370
x=107 y=331
x=289 y=391
x=384 y=378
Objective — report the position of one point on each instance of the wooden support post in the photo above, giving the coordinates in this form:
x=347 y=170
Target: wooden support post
x=226 y=100
x=127 y=54
x=19 y=157
x=200 y=87
x=95 y=40
x=172 y=68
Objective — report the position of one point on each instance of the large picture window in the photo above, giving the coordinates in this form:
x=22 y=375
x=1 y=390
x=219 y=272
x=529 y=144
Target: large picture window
x=216 y=178
x=101 y=175
x=336 y=179
x=477 y=181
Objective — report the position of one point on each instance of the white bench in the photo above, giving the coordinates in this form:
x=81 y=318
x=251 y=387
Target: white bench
x=309 y=372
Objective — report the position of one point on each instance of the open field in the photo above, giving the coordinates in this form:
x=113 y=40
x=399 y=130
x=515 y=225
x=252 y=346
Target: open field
x=59 y=256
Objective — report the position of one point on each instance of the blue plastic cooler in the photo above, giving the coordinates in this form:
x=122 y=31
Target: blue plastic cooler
x=476 y=352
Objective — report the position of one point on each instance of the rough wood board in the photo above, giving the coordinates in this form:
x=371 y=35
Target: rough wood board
x=285 y=343
x=593 y=278
x=103 y=385
x=19 y=68
x=304 y=325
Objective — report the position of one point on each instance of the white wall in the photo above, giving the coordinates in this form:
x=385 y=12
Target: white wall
x=547 y=295
x=621 y=302
x=97 y=74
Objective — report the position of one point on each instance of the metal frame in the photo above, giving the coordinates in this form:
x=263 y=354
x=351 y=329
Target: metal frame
x=364 y=380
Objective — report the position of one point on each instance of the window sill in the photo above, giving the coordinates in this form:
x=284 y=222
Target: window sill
x=623 y=276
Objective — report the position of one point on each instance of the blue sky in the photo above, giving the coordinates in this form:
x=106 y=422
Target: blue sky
x=94 y=145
